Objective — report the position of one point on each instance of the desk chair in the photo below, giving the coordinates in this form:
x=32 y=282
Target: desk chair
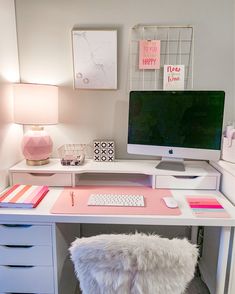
x=133 y=264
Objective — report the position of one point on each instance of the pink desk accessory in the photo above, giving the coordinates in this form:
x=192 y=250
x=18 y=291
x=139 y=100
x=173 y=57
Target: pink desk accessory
x=76 y=202
x=23 y=196
x=207 y=207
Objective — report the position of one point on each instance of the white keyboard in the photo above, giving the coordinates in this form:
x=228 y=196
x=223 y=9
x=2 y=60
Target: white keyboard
x=115 y=200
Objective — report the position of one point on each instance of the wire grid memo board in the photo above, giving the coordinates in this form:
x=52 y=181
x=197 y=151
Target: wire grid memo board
x=176 y=49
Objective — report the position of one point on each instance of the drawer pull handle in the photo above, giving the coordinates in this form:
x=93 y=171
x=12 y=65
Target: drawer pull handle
x=185 y=177
x=42 y=174
x=19 y=266
x=18 y=246
x=16 y=226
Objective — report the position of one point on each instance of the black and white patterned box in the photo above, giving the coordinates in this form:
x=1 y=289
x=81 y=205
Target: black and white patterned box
x=104 y=150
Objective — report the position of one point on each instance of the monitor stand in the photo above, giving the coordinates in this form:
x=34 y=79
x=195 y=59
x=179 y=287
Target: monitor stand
x=168 y=163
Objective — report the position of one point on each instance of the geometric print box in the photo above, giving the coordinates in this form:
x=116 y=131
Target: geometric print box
x=104 y=150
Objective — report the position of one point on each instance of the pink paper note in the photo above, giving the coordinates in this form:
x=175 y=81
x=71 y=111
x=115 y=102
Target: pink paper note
x=206 y=206
x=149 y=54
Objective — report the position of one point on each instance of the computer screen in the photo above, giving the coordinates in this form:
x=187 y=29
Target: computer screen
x=176 y=124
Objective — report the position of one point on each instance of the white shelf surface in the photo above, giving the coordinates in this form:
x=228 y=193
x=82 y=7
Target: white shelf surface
x=148 y=167
x=42 y=213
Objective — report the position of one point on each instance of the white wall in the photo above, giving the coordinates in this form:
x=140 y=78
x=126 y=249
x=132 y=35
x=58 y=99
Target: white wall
x=10 y=134
x=233 y=63
x=44 y=31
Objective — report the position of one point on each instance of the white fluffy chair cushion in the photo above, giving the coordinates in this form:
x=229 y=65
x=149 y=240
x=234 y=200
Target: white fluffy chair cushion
x=133 y=264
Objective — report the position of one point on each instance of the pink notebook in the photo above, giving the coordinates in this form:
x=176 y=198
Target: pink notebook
x=207 y=207
x=154 y=204
x=23 y=196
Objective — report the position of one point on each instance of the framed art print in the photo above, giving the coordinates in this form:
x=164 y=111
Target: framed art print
x=95 y=59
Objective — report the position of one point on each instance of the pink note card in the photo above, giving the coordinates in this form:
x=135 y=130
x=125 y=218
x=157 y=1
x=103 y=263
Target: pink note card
x=202 y=199
x=149 y=54
x=204 y=203
x=154 y=204
x=206 y=206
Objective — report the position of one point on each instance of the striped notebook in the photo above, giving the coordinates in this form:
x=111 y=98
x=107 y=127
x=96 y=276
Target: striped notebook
x=23 y=196
x=207 y=207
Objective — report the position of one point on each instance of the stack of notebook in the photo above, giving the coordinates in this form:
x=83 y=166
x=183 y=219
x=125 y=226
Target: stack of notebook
x=207 y=207
x=23 y=196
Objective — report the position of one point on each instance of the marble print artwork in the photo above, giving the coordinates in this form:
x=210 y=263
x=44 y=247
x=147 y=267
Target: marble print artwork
x=95 y=59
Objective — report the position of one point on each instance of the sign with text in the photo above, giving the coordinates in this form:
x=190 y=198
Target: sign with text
x=173 y=77
x=149 y=54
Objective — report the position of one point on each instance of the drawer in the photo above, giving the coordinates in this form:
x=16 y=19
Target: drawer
x=49 y=179
x=25 y=235
x=227 y=186
x=187 y=182
x=25 y=255
x=36 y=279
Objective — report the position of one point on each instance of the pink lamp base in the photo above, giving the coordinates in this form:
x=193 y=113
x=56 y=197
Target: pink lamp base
x=37 y=147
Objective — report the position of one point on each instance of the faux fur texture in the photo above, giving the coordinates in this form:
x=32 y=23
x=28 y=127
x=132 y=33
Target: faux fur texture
x=133 y=264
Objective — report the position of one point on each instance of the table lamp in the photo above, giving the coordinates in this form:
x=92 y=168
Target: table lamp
x=36 y=105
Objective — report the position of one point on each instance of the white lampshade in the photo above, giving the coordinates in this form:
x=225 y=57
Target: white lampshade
x=35 y=104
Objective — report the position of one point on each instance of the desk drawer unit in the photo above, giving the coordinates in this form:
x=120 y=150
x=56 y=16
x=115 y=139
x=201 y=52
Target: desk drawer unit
x=32 y=279
x=228 y=186
x=49 y=179
x=27 y=255
x=26 y=259
x=25 y=235
x=186 y=182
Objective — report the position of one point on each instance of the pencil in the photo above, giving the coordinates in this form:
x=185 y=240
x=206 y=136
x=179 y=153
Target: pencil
x=72 y=198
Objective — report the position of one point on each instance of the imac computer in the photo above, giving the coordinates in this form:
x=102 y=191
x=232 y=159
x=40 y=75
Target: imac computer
x=176 y=125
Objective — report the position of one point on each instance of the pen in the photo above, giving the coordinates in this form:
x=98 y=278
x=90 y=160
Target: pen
x=72 y=198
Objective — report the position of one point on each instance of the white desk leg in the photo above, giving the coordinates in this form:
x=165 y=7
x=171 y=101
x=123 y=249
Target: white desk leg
x=194 y=234
x=231 y=282
x=222 y=260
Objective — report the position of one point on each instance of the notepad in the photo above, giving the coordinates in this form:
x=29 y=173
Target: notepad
x=23 y=196
x=207 y=207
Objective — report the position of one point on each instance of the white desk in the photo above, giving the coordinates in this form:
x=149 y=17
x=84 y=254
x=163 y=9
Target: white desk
x=227 y=186
x=52 y=228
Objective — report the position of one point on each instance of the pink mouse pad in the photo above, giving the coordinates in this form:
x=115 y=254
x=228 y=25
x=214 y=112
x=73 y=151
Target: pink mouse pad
x=154 y=205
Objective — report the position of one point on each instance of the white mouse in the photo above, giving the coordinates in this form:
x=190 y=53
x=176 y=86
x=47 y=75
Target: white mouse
x=170 y=202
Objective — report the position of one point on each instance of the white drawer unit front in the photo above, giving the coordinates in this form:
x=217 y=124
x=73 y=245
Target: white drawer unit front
x=25 y=255
x=186 y=182
x=49 y=179
x=37 y=279
x=25 y=235
x=228 y=186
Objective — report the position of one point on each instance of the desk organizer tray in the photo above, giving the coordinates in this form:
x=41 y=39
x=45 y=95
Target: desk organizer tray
x=154 y=204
